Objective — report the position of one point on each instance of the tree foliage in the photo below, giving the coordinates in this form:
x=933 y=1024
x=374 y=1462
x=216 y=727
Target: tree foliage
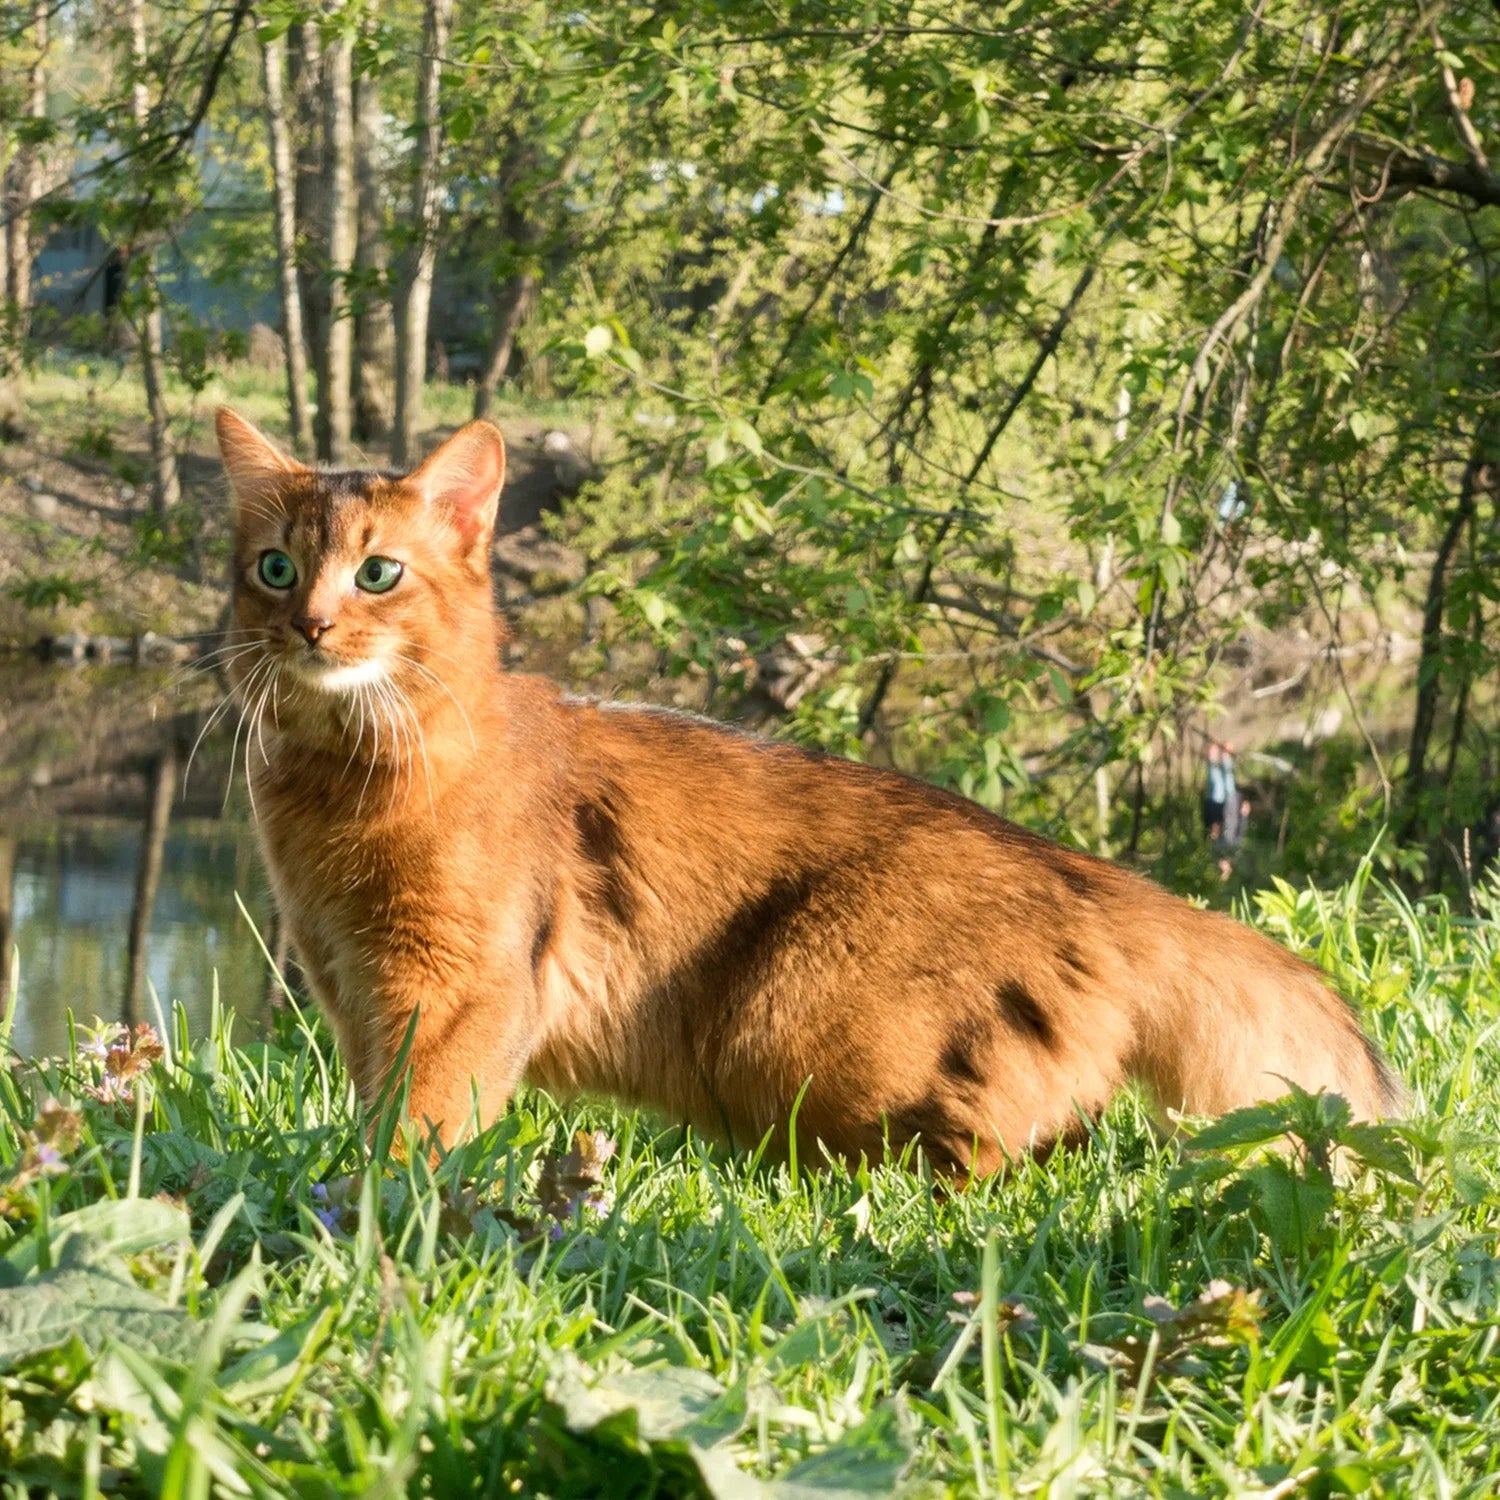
x=1005 y=368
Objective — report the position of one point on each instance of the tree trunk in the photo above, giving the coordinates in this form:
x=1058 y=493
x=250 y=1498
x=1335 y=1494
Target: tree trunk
x=1429 y=663
x=336 y=362
x=21 y=177
x=305 y=80
x=285 y=193
x=513 y=301
x=11 y=409
x=165 y=491
x=374 y=322
x=147 y=877
x=411 y=332
x=6 y=161
x=7 y=915
x=26 y=179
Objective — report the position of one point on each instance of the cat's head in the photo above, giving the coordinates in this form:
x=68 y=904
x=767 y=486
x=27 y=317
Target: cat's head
x=346 y=583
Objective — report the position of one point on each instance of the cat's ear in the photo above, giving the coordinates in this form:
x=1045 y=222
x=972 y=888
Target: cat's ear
x=257 y=468
x=463 y=478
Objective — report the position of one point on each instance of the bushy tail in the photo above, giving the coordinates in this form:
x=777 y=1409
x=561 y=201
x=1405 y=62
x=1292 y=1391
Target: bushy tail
x=1240 y=1018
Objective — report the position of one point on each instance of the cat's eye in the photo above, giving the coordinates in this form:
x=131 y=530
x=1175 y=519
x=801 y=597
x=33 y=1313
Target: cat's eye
x=277 y=570
x=377 y=574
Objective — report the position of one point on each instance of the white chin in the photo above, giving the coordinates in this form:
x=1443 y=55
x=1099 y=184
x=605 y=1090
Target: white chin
x=342 y=679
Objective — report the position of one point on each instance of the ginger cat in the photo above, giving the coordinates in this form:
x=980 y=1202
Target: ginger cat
x=597 y=896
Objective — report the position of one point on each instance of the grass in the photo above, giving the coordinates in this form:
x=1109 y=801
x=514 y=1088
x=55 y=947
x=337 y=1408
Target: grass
x=95 y=403
x=214 y=1286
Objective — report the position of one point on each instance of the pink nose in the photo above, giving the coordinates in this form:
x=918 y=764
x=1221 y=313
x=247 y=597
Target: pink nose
x=312 y=627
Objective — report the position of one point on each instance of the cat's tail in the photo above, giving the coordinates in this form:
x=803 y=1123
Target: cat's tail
x=1237 y=1018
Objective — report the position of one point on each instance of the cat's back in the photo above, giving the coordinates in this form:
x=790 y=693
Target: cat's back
x=671 y=778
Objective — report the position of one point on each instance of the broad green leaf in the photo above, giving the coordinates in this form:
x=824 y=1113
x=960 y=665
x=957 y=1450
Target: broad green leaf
x=666 y=1403
x=111 y=1227
x=1252 y=1126
x=869 y=1459
x=56 y=1306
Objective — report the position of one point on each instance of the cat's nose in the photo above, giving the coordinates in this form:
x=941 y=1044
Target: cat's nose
x=312 y=626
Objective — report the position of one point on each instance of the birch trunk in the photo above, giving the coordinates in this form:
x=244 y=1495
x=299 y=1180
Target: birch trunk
x=147 y=878
x=6 y=163
x=165 y=490
x=26 y=179
x=11 y=413
x=285 y=194
x=411 y=331
x=21 y=176
x=374 y=322
x=7 y=915
x=335 y=368
x=305 y=82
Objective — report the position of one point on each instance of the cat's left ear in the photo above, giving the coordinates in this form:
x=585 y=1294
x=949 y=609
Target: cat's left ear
x=257 y=468
x=463 y=479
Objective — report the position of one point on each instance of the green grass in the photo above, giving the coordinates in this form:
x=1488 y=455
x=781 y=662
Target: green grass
x=95 y=404
x=1130 y=1318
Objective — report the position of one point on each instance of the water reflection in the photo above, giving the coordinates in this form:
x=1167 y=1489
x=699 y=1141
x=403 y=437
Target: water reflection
x=80 y=831
x=73 y=889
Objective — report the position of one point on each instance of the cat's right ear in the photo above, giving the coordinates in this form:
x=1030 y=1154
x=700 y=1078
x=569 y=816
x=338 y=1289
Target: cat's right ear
x=257 y=468
x=462 y=480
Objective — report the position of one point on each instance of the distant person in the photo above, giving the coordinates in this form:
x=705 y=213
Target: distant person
x=1213 y=791
x=1225 y=810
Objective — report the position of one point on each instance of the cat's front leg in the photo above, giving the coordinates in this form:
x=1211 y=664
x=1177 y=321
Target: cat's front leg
x=462 y=1043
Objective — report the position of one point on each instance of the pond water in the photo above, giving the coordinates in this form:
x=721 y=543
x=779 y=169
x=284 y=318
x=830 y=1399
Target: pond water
x=79 y=755
x=72 y=896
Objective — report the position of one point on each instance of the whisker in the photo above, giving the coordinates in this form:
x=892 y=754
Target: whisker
x=274 y=681
x=359 y=735
x=203 y=667
x=421 y=735
x=209 y=723
x=259 y=716
x=428 y=672
x=419 y=738
x=374 y=757
x=262 y=667
x=401 y=747
x=414 y=739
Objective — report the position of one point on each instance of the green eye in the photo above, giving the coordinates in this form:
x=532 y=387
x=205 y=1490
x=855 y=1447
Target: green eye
x=277 y=570
x=377 y=574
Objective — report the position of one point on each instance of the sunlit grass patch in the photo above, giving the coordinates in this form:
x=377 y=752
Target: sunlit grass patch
x=210 y=1286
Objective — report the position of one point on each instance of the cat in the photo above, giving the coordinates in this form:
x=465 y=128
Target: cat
x=614 y=898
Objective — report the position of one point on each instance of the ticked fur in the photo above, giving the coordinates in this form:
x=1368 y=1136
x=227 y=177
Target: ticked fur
x=652 y=906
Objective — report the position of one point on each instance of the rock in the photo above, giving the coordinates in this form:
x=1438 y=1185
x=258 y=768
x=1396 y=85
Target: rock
x=66 y=648
x=155 y=650
x=33 y=482
x=571 y=468
x=108 y=647
x=266 y=349
x=43 y=507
